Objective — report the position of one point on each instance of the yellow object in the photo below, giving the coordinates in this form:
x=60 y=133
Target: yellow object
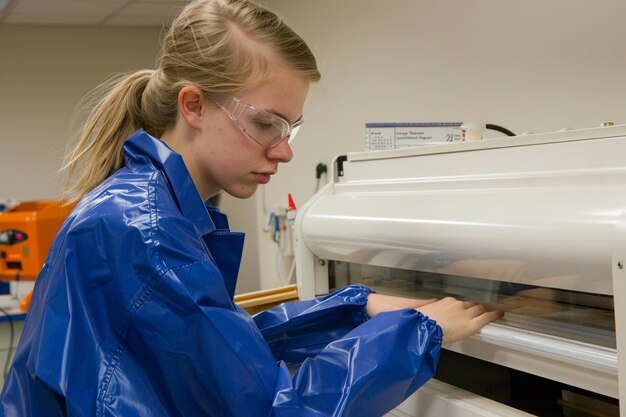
x=26 y=233
x=255 y=302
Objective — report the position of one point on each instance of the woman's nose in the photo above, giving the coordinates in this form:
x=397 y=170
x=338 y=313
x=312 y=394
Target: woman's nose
x=281 y=152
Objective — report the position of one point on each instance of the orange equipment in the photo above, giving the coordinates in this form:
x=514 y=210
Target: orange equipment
x=26 y=233
x=25 y=303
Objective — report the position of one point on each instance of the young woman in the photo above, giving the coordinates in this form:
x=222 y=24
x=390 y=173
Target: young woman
x=133 y=313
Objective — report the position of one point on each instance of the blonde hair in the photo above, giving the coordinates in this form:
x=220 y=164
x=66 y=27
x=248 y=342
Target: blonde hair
x=221 y=46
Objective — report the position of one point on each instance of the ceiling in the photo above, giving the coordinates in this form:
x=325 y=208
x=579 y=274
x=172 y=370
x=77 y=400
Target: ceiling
x=89 y=12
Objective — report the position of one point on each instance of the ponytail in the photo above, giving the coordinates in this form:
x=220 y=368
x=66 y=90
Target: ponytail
x=99 y=149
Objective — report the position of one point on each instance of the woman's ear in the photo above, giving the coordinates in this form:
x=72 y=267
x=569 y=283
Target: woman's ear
x=190 y=105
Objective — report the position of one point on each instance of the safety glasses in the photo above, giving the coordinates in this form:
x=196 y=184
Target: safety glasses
x=265 y=128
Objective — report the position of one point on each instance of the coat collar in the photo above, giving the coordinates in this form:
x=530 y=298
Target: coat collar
x=142 y=148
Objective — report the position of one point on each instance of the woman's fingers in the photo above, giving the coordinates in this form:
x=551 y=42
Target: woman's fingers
x=459 y=319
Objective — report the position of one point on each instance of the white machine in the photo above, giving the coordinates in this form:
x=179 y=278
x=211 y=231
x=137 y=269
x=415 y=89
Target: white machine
x=534 y=225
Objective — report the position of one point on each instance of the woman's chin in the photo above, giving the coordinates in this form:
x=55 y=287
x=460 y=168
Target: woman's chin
x=243 y=192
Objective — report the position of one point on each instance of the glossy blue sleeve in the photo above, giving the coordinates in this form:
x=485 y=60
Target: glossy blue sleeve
x=298 y=330
x=209 y=358
x=368 y=372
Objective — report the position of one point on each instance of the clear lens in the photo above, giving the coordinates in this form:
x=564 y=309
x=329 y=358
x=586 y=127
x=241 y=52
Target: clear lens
x=294 y=130
x=265 y=128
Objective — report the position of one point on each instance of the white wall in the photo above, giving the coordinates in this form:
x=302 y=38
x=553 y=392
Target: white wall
x=529 y=65
x=44 y=71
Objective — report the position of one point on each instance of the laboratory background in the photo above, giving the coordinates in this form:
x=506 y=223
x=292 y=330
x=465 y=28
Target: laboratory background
x=531 y=66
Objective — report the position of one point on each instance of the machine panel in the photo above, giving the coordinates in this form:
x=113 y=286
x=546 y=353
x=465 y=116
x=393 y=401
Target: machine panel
x=533 y=225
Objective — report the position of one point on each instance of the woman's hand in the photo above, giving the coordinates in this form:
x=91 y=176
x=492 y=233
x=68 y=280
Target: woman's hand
x=458 y=319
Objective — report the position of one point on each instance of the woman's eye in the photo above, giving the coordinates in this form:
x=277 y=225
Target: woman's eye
x=261 y=125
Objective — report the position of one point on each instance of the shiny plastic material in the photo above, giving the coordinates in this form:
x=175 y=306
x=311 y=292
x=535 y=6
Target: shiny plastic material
x=132 y=315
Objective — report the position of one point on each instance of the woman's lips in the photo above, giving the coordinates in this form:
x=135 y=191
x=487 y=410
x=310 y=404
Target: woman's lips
x=262 y=178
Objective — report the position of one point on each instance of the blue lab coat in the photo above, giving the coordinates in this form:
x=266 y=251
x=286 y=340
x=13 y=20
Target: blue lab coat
x=133 y=315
